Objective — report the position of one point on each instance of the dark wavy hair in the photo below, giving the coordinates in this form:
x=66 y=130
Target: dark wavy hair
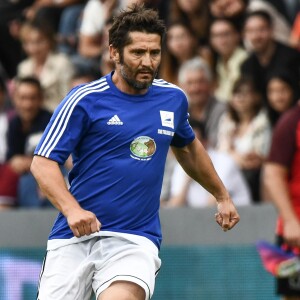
x=135 y=18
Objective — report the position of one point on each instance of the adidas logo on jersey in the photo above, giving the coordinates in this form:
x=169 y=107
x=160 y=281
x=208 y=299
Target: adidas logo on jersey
x=114 y=121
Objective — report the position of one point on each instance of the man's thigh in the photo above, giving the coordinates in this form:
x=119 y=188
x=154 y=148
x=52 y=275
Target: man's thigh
x=128 y=265
x=123 y=290
x=66 y=274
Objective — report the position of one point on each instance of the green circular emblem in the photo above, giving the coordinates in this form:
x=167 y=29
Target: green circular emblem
x=143 y=147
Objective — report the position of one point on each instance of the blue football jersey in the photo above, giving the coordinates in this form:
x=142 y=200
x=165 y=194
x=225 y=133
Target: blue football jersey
x=119 y=143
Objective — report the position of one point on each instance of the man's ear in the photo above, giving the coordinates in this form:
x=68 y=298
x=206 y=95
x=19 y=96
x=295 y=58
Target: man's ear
x=114 y=54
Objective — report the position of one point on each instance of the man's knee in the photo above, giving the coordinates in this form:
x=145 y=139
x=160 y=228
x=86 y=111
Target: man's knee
x=123 y=290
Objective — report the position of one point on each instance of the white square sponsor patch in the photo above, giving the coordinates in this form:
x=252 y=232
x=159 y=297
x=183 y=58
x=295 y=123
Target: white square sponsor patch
x=167 y=118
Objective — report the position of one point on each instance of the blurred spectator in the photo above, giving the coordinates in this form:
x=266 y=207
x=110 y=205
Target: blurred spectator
x=281 y=180
x=195 y=78
x=225 y=41
x=186 y=191
x=181 y=45
x=11 y=53
x=230 y=9
x=54 y=70
x=28 y=123
x=267 y=55
x=276 y=10
x=24 y=131
x=245 y=133
x=281 y=95
x=192 y=12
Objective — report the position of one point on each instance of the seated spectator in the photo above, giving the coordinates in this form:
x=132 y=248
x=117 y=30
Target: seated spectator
x=25 y=128
x=245 y=133
x=195 y=78
x=181 y=45
x=225 y=41
x=267 y=55
x=186 y=191
x=282 y=94
x=276 y=9
x=54 y=70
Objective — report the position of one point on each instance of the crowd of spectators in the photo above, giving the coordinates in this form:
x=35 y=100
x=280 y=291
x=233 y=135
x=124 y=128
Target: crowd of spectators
x=238 y=62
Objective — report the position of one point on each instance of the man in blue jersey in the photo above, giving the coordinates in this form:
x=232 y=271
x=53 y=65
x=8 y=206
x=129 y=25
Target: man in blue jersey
x=118 y=129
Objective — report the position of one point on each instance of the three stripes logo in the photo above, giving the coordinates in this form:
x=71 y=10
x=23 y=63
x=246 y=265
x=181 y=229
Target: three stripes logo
x=115 y=120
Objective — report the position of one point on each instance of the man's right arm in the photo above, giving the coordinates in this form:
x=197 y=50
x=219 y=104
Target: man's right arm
x=52 y=183
x=276 y=185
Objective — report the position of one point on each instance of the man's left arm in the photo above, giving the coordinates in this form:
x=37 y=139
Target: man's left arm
x=197 y=164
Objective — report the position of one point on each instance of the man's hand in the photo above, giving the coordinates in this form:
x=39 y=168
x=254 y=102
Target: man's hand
x=291 y=232
x=227 y=215
x=83 y=222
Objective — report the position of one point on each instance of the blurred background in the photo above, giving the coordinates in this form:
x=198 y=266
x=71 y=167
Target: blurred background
x=238 y=62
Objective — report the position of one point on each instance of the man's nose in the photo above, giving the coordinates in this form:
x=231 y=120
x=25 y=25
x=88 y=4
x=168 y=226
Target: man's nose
x=146 y=60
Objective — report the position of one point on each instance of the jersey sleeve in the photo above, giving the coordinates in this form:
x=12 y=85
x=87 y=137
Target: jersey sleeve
x=67 y=126
x=284 y=134
x=184 y=133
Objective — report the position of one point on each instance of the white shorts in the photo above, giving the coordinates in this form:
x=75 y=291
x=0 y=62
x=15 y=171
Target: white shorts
x=74 y=271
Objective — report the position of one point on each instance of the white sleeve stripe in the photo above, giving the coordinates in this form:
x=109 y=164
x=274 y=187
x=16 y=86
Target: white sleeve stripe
x=50 y=135
x=68 y=117
x=61 y=117
x=166 y=85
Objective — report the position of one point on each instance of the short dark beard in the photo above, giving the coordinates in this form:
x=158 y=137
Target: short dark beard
x=131 y=81
x=134 y=83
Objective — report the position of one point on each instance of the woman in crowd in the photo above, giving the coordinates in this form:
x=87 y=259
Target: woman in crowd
x=245 y=133
x=282 y=94
x=54 y=70
x=181 y=45
x=225 y=41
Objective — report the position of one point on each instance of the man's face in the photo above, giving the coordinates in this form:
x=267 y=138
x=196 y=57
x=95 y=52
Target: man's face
x=28 y=101
x=197 y=87
x=223 y=37
x=258 y=34
x=139 y=62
